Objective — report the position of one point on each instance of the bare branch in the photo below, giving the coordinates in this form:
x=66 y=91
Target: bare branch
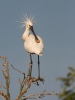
x=28 y=80
x=3 y=94
x=39 y=95
x=3 y=73
x=24 y=84
x=2 y=85
x=3 y=58
x=18 y=70
x=24 y=90
x=7 y=78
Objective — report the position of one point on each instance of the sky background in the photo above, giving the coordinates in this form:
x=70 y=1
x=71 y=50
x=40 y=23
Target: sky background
x=55 y=23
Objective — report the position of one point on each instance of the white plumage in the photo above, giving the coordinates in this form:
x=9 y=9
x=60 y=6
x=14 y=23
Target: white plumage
x=32 y=46
x=32 y=43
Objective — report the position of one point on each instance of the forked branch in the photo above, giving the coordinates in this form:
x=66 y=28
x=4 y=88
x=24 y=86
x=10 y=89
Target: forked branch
x=6 y=75
x=39 y=95
x=26 y=82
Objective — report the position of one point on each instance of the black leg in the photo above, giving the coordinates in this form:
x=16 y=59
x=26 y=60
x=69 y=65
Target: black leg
x=38 y=67
x=30 y=66
x=41 y=79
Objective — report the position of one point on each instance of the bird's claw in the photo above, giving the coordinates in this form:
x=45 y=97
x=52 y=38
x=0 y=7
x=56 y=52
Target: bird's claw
x=41 y=79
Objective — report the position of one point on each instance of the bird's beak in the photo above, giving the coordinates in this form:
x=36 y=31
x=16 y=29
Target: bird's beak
x=36 y=38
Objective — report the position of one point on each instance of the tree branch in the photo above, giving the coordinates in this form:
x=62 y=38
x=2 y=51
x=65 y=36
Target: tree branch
x=18 y=71
x=39 y=95
x=3 y=95
x=7 y=78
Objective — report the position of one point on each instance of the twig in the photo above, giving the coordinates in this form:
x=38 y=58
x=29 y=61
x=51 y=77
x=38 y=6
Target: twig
x=3 y=73
x=18 y=71
x=22 y=83
x=3 y=94
x=7 y=78
x=28 y=80
x=3 y=58
x=24 y=90
x=2 y=85
x=40 y=95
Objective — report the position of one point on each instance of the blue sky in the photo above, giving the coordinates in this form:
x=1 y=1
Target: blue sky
x=55 y=23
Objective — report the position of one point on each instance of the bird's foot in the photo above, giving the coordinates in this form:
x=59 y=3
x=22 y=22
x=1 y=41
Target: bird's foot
x=41 y=79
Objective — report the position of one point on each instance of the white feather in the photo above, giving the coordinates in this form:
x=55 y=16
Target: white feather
x=30 y=44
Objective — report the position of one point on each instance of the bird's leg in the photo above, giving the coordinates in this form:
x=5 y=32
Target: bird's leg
x=31 y=63
x=30 y=66
x=41 y=79
x=38 y=67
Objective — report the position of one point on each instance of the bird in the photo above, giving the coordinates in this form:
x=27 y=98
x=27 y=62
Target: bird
x=33 y=43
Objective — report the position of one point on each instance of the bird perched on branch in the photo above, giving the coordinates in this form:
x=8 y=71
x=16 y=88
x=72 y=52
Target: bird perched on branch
x=33 y=44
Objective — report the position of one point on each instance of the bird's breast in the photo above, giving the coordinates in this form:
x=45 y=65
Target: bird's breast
x=32 y=46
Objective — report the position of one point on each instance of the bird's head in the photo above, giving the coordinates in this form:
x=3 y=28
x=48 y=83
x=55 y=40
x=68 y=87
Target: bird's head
x=28 y=22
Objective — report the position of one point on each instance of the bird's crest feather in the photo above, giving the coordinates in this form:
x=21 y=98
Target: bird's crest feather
x=25 y=20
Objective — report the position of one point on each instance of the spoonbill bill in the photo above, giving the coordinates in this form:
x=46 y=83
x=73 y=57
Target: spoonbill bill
x=33 y=44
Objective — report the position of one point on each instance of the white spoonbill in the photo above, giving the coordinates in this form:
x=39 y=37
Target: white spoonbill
x=32 y=43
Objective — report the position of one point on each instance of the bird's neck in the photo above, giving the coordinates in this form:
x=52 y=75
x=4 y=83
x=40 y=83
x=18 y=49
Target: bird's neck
x=25 y=34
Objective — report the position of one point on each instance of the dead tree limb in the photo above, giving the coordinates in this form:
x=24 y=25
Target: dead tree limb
x=18 y=70
x=6 y=75
x=3 y=95
x=39 y=95
x=24 y=84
